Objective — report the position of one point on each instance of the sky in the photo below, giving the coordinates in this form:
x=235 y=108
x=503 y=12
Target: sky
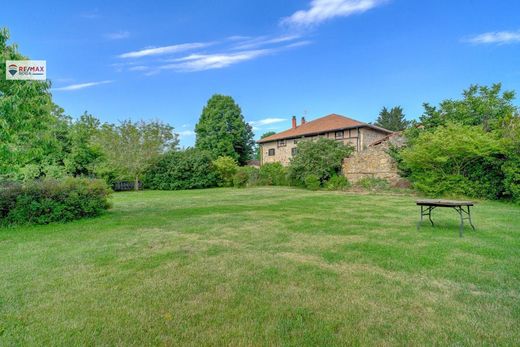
x=162 y=60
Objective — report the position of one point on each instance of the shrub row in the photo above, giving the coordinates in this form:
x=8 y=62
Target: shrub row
x=49 y=200
x=187 y=169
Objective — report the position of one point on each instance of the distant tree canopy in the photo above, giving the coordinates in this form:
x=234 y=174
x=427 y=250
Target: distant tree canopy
x=222 y=130
x=393 y=119
x=481 y=105
x=132 y=147
x=269 y=133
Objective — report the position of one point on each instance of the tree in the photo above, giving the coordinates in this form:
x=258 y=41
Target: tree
x=322 y=158
x=481 y=105
x=222 y=130
x=130 y=147
x=392 y=119
x=27 y=119
x=83 y=154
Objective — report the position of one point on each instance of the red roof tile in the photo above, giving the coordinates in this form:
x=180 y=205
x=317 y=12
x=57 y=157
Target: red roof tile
x=328 y=123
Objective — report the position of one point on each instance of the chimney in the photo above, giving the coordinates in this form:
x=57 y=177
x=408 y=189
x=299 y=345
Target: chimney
x=294 y=122
x=303 y=120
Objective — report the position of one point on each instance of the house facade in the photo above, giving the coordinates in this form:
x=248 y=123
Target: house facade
x=281 y=147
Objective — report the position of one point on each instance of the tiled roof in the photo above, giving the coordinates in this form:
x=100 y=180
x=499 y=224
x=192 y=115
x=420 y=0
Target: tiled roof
x=328 y=123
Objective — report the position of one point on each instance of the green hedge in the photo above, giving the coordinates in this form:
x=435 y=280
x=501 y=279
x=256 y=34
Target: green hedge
x=49 y=200
x=187 y=169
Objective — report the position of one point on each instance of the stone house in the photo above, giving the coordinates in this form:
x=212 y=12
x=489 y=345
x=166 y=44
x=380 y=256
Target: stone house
x=281 y=147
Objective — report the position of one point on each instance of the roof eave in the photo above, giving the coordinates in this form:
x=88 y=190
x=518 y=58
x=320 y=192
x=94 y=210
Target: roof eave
x=326 y=131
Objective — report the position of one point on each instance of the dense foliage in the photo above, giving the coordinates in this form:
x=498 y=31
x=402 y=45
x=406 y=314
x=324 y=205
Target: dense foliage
x=337 y=183
x=186 y=169
x=31 y=125
x=466 y=147
x=392 y=119
x=312 y=182
x=272 y=174
x=222 y=130
x=226 y=167
x=49 y=200
x=322 y=158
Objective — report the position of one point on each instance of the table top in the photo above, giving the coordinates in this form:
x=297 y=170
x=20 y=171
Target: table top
x=443 y=203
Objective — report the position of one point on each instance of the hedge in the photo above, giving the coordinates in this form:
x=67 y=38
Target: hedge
x=50 y=200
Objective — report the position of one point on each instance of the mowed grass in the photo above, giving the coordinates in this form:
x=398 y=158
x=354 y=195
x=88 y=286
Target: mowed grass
x=263 y=266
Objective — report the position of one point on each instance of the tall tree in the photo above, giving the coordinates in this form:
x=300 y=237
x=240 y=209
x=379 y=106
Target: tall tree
x=392 y=119
x=27 y=118
x=222 y=130
x=131 y=147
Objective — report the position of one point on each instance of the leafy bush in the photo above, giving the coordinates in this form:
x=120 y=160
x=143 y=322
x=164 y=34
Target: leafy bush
x=246 y=176
x=337 y=183
x=273 y=174
x=226 y=167
x=312 y=182
x=456 y=160
x=241 y=178
x=187 y=169
x=373 y=183
x=322 y=158
x=511 y=170
x=49 y=200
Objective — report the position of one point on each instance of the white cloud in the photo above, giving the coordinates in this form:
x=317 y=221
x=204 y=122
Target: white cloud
x=81 y=86
x=264 y=40
x=499 y=37
x=93 y=14
x=201 y=62
x=186 y=133
x=164 y=50
x=266 y=121
x=323 y=10
x=139 y=68
x=118 y=35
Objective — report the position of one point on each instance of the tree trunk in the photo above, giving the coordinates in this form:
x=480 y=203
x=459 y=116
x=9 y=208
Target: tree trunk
x=136 y=183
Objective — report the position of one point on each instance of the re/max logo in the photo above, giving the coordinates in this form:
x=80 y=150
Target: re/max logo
x=31 y=70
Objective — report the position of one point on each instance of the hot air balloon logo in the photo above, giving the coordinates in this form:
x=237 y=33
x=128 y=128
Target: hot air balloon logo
x=12 y=69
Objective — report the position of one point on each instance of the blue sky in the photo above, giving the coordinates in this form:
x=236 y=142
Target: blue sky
x=164 y=59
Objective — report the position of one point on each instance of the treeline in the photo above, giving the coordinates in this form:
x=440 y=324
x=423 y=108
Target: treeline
x=37 y=139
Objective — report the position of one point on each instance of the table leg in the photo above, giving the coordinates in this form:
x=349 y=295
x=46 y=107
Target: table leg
x=469 y=218
x=430 y=209
x=420 y=220
x=461 y=231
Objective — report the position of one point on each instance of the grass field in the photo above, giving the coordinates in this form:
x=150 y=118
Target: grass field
x=263 y=266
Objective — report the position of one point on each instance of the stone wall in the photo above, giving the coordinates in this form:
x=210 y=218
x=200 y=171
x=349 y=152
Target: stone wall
x=374 y=161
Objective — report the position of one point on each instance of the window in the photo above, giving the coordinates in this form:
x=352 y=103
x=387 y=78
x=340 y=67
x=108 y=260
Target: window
x=339 y=135
x=296 y=141
x=271 y=152
x=294 y=150
x=281 y=143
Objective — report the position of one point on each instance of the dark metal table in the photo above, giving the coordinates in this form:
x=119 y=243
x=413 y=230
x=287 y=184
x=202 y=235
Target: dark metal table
x=462 y=208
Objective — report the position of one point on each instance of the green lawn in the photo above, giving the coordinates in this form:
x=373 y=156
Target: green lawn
x=263 y=266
